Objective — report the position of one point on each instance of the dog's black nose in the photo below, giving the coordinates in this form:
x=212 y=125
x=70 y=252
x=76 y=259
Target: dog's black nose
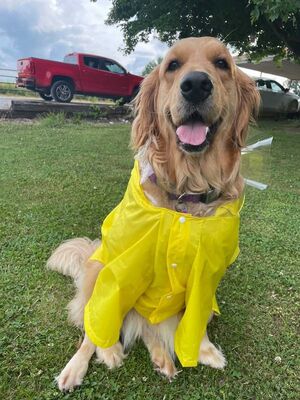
x=196 y=86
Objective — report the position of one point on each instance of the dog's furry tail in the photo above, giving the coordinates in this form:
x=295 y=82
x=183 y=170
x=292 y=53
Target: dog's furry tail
x=70 y=257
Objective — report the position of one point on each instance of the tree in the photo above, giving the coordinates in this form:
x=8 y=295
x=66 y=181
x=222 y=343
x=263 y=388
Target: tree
x=254 y=27
x=151 y=65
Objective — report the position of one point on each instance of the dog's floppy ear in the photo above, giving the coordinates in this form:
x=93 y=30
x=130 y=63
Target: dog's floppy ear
x=248 y=105
x=146 y=120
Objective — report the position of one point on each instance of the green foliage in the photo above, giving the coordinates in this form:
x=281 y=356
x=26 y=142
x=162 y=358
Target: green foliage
x=53 y=120
x=60 y=182
x=275 y=9
x=151 y=65
x=97 y=112
x=120 y=102
x=255 y=27
x=77 y=118
x=59 y=120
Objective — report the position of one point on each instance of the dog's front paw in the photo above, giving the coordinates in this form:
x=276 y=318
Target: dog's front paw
x=112 y=357
x=73 y=374
x=164 y=364
x=210 y=355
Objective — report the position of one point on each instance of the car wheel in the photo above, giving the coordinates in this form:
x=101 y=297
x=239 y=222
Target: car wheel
x=45 y=96
x=62 y=91
x=293 y=107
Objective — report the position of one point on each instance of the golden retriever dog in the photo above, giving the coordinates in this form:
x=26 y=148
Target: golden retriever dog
x=191 y=120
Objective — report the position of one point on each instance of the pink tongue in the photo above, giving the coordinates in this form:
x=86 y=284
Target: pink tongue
x=194 y=134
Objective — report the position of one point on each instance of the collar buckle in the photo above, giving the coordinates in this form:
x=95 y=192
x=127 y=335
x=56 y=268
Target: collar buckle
x=210 y=196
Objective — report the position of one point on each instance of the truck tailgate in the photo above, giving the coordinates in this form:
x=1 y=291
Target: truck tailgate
x=25 y=67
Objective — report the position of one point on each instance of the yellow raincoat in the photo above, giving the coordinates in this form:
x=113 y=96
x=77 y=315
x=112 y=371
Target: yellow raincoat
x=160 y=262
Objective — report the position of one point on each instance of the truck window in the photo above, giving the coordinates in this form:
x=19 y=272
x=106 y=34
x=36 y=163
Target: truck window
x=91 y=62
x=112 y=67
x=70 y=59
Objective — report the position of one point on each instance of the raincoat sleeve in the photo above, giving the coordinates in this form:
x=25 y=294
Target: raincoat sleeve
x=120 y=283
x=208 y=268
x=192 y=326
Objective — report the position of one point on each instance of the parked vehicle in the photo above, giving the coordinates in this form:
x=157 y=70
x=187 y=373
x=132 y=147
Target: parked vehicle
x=78 y=73
x=276 y=99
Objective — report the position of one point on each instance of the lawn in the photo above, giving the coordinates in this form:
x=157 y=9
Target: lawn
x=58 y=180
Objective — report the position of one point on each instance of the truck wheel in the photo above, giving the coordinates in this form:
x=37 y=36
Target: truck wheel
x=45 y=96
x=62 y=91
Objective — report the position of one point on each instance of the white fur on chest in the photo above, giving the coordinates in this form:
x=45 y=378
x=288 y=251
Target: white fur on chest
x=146 y=171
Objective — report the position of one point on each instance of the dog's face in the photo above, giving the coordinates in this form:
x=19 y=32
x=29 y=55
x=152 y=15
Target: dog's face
x=196 y=103
x=197 y=91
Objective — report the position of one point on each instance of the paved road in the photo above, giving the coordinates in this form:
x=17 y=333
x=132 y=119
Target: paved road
x=5 y=103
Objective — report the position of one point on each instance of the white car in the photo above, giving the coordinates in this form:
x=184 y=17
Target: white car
x=276 y=99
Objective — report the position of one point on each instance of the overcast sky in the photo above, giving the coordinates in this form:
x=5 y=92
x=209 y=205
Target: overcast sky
x=53 y=28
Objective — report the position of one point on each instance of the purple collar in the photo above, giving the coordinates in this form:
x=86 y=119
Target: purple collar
x=205 y=197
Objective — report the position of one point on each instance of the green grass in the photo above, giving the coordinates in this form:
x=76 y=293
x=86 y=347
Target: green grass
x=9 y=89
x=59 y=180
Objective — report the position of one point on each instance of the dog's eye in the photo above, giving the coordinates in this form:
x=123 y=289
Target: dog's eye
x=221 y=63
x=173 y=65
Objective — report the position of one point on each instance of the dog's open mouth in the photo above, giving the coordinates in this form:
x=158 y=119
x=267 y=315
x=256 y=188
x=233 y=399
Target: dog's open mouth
x=194 y=135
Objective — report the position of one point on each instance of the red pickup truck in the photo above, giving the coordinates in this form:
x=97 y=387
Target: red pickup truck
x=78 y=73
